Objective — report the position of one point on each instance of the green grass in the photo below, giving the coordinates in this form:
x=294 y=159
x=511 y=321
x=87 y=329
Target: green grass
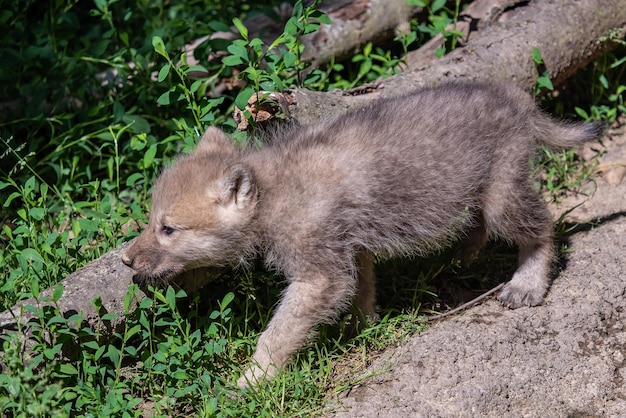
x=77 y=160
x=173 y=363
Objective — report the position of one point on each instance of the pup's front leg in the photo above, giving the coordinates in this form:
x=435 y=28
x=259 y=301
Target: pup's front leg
x=305 y=304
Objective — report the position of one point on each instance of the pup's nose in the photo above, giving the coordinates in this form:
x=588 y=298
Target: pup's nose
x=126 y=260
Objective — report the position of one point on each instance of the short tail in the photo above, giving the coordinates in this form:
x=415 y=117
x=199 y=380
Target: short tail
x=567 y=134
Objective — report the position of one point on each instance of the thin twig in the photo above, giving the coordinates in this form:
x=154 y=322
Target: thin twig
x=466 y=305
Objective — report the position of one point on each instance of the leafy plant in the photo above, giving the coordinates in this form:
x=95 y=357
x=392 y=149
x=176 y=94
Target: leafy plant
x=440 y=18
x=543 y=81
x=276 y=66
x=608 y=92
x=563 y=171
x=175 y=361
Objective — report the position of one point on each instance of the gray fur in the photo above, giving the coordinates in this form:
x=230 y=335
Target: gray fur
x=404 y=176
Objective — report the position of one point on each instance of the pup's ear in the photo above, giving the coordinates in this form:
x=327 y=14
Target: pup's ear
x=214 y=141
x=238 y=187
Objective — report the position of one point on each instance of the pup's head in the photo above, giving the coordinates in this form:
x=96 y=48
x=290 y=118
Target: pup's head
x=202 y=209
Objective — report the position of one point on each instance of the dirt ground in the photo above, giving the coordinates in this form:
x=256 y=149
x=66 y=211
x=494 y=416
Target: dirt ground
x=565 y=358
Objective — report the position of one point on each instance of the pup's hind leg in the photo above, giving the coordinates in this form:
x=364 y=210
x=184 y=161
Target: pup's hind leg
x=515 y=212
x=365 y=298
x=531 y=279
x=364 y=303
x=475 y=239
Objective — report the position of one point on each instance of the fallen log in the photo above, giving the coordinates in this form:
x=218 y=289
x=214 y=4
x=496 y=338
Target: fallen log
x=477 y=16
x=353 y=24
x=568 y=34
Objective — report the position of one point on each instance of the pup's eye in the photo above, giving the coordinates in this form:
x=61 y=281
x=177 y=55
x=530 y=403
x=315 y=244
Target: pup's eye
x=167 y=230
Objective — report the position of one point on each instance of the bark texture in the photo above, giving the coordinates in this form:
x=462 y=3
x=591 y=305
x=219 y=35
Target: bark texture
x=353 y=24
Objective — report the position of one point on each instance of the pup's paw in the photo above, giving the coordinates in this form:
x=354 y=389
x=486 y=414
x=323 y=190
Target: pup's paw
x=255 y=375
x=515 y=296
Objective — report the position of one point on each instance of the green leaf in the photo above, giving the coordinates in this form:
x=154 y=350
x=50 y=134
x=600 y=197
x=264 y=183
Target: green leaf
x=165 y=99
x=159 y=46
x=148 y=157
x=132 y=331
x=208 y=117
x=228 y=298
x=164 y=72
x=93 y=345
x=536 y=55
x=437 y=5
x=198 y=68
x=57 y=293
x=605 y=83
x=195 y=86
x=217 y=26
x=123 y=37
x=241 y=101
x=109 y=316
x=77 y=317
x=170 y=298
x=130 y=296
x=89 y=225
x=241 y=28
x=545 y=82
x=96 y=302
x=68 y=369
x=256 y=44
x=232 y=61
x=186 y=389
x=324 y=19
x=132 y=179
x=101 y=5
x=113 y=354
x=138 y=123
x=34 y=288
x=56 y=320
x=9 y=199
x=75 y=227
x=99 y=352
x=180 y=375
x=311 y=27
x=239 y=51
x=50 y=353
x=31 y=254
x=367 y=49
x=118 y=111
x=292 y=27
x=617 y=63
x=366 y=66
x=105 y=206
x=37 y=213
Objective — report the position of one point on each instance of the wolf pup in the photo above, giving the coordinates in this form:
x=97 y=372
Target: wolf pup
x=406 y=175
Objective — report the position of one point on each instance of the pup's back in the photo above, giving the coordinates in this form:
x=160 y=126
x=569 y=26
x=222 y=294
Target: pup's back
x=406 y=174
